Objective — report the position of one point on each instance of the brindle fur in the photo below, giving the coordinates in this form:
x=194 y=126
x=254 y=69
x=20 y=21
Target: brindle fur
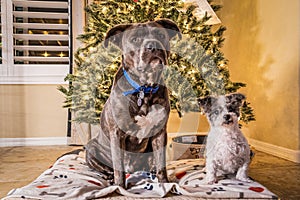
x=134 y=137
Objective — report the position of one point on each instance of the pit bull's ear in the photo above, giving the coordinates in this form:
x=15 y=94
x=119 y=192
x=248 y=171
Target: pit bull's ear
x=173 y=29
x=115 y=35
x=236 y=98
x=206 y=103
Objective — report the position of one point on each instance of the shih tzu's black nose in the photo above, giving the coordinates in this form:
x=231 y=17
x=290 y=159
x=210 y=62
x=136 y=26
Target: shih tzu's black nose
x=227 y=117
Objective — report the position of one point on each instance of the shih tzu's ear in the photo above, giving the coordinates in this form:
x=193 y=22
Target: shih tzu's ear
x=115 y=35
x=206 y=103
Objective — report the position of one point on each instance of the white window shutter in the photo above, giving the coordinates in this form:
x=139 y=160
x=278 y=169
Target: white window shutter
x=38 y=38
x=40 y=31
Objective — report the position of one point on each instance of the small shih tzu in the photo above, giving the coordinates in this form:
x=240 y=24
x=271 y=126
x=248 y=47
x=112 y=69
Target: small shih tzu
x=227 y=150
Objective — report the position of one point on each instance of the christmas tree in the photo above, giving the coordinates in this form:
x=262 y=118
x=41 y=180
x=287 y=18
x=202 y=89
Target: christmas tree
x=197 y=67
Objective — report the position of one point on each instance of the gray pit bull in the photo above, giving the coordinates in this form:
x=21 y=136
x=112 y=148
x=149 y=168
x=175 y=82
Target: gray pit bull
x=133 y=122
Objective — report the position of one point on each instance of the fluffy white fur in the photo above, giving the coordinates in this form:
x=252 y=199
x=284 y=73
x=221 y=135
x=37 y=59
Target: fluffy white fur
x=227 y=150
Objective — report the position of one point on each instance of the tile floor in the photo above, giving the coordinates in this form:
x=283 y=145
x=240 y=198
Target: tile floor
x=21 y=165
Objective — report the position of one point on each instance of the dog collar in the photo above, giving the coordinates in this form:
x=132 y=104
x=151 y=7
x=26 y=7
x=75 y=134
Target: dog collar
x=140 y=90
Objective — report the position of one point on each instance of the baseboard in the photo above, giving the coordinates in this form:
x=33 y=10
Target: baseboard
x=43 y=141
x=289 y=154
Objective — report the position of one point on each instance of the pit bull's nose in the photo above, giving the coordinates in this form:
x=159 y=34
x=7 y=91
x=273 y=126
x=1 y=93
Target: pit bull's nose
x=151 y=46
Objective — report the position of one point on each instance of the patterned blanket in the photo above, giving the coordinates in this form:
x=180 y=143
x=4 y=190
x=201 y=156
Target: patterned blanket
x=70 y=178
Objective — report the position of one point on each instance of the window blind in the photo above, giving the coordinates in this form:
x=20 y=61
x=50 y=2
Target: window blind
x=40 y=32
x=36 y=40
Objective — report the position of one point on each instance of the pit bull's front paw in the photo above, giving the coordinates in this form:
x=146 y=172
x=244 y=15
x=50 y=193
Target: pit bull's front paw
x=162 y=179
x=161 y=176
x=120 y=184
x=119 y=178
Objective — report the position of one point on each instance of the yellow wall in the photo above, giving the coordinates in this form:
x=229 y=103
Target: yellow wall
x=31 y=111
x=262 y=45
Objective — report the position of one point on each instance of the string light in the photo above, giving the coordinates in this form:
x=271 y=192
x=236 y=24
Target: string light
x=86 y=97
x=46 y=54
x=114 y=66
x=174 y=93
x=192 y=72
x=104 y=10
x=92 y=49
x=84 y=87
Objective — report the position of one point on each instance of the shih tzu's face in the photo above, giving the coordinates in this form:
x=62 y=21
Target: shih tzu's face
x=222 y=110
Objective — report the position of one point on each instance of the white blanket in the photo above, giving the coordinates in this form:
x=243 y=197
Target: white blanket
x=70 y=178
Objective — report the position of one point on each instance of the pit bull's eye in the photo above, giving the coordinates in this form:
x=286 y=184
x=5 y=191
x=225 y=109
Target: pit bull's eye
x=135 y=40
x=161 y=36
